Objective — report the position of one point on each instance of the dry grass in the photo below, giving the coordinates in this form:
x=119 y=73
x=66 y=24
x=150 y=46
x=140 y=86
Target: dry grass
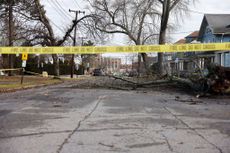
x=14 y=82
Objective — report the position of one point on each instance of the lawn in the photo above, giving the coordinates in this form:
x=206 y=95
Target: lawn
x=13 y=83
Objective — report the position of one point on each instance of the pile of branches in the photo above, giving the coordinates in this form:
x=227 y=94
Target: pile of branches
x=218 y=79
x=214 y=80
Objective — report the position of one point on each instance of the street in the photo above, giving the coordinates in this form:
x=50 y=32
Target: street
x=64 y=119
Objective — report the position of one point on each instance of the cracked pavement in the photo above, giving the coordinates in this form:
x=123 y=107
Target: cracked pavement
x=62 y=119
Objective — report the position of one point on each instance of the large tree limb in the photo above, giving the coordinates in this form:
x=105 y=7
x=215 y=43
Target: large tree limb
x=43 y=18
x=67 y=34
x=174 y=3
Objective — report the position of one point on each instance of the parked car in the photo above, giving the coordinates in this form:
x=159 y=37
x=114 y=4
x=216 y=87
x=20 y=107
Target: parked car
x=98 y=72
x=133 y=74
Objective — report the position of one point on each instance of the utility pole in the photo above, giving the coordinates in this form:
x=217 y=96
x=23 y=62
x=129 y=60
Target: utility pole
x=10 y=34
x=74 y=37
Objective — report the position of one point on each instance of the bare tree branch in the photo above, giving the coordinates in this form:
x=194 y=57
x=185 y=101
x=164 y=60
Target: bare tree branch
x=174 y=3
x=67 y=34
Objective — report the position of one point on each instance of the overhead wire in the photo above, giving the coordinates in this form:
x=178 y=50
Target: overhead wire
x=57 y=26
x=62 y=12
x=58 y=5
x=75 y=5
x=64 y=4
x=58 y=11
x=75 y=2
x=61 y=15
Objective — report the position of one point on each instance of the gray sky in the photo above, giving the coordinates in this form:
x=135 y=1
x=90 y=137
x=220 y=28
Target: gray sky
x=57 y=11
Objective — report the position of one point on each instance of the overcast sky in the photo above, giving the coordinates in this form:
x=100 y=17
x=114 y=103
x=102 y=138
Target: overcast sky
x=57 y=11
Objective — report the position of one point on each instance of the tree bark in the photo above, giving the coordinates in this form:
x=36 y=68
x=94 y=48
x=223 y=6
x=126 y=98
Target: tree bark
x=145 y=62
x=10 y=36
x=144 y=56
x=56 y=65
x=163 y=28
x=44 y=19
x=5 y=62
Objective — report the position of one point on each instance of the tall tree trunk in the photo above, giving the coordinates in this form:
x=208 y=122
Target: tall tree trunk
x=5 y=62
x=56 y=65
x=161 y=55
x=139 y=65
x=10 y=36
x=162 y=37
x=44 y=19
x=145 y=62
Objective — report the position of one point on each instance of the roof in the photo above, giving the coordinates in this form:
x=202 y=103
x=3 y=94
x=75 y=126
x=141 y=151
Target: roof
x=193 y=34
x=181 y=41
x=220 y=23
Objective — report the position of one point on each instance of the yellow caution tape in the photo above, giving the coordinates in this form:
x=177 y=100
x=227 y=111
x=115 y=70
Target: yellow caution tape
x=117 y=49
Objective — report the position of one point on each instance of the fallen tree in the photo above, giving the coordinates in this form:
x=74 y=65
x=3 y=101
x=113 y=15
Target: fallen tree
x=216 y=81
x=219 y=79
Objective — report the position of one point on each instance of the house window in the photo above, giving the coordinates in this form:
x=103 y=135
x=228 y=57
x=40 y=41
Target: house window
x=227 y=59
x=202 y=61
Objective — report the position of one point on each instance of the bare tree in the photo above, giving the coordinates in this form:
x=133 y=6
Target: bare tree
x=7 y=8
x=135 y=19
x=32 y=26
x=168 y=7
x=51 y=40
x=17 y=25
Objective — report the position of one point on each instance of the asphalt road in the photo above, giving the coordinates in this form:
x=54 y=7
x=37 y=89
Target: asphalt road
x=62 y=119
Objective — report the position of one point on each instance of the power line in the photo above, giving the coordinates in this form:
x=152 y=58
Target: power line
x=77 y=4
x=63 y=10
x=74 y=40
x=58 y=5
x=57 y=26
x=58 y=11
